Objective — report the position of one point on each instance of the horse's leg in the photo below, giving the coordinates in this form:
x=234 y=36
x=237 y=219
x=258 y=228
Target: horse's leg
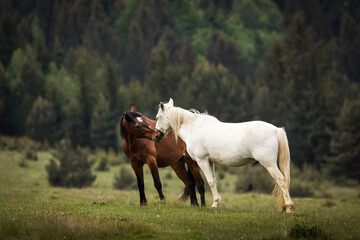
x=151 y=162
x=286 y=204
x=180 y=170
x=138 y=169
x=208 y=169
x=195 y=170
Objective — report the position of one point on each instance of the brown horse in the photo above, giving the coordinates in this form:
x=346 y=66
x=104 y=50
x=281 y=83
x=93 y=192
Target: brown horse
x=134 y=128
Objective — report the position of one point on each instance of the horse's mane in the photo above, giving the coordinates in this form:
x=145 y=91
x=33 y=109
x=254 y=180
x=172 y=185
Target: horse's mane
x=178 y=116
x=131 y=115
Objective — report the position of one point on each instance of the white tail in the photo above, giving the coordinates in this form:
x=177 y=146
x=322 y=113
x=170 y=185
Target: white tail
x=283 y=164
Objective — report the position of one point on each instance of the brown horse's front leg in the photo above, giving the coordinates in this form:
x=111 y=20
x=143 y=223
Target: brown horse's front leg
x=138 y=169
x=151 y=162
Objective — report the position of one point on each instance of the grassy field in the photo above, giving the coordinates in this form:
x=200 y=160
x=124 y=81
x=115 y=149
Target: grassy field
x=31 y=209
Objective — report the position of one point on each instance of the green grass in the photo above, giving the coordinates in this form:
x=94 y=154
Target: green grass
x=31 y=209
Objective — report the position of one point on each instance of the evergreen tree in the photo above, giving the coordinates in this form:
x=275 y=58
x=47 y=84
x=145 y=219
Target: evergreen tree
x=84 y=68
x=164 y=70
x=113 y=80
x=99 y=37
x=323 y=16
x=10 y=38
x=145 y=31
x=40 y=121
x=75 y=130
x=302 y=77
x=223 y=51
x=345 y=141
x=103 y=126
x=23 y=82
x=214 y=89
x=350 y=44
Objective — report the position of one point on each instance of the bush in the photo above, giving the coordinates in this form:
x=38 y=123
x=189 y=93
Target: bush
x=305 y=182
x=23 y=163
x=31 y=155
x=103 y=165
x=124 y=179
x=169 y=175
x=254 y=178
x=74 y=169
x=113 y=158
x=18 y=143
x=300 y=189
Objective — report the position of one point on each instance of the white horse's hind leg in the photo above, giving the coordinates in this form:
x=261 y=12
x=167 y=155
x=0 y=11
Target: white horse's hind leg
x=280 y=180
x=208 y=169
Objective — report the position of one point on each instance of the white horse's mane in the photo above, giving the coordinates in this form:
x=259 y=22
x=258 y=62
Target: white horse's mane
x=178 y=116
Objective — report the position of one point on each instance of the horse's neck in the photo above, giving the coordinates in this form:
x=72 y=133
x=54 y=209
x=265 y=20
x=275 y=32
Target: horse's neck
x=129 y=142
x=184 y=132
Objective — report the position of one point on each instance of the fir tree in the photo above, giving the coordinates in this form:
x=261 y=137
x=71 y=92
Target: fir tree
x=103 y=126
x=40 y=121
x=345 y=141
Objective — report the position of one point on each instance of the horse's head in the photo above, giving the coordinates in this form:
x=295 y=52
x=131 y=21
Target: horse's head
x=162 y=118
x=136 y=125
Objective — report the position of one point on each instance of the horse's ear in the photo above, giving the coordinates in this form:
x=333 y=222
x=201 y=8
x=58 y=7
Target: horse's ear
x=171 y=102
x=162 y=107
x=128 y=118
x=132 y=108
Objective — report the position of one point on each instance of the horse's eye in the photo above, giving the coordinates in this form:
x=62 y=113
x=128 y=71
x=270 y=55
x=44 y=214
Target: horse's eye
x=137 y=126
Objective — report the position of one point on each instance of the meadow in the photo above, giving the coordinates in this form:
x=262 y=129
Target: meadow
x=31 y=209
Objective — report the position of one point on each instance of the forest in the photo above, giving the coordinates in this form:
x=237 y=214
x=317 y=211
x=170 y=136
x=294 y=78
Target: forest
x=69 y=69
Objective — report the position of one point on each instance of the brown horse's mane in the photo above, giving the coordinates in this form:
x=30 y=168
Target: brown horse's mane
x=129 y=117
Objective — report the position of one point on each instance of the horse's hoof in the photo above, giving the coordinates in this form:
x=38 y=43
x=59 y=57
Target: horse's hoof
x=215 y=205
x=288 y=208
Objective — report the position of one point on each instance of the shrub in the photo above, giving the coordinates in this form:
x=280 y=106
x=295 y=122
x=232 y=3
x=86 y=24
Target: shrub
x=103 y=165
x=73 y=170
x=113 y=158
x=254 y=178
x=23 y=163
x=18 y=143
x=168 y=175
x=31 y=155
x=300 y=189
x=124 y=179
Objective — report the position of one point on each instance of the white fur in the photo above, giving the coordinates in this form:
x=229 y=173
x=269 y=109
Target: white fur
x=234 y=144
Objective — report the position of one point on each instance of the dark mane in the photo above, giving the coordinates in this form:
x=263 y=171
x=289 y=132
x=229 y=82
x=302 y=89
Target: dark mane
x=128 y=116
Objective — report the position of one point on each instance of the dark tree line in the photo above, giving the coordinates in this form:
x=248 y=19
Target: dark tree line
x=68 y=69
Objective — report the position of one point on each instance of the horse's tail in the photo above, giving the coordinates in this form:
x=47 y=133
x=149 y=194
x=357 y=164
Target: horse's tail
x=185 y=196
x=283 y=164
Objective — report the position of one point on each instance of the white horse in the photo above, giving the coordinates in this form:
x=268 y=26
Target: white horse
x=234 y=144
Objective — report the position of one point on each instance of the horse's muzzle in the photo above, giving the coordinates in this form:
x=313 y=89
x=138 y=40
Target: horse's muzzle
x=159 y=137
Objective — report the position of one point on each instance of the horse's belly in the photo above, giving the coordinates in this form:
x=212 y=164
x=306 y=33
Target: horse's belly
x=231 y=160
x=240 y=162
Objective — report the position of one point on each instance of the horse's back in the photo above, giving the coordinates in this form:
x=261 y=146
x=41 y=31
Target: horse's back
x=234 y=143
